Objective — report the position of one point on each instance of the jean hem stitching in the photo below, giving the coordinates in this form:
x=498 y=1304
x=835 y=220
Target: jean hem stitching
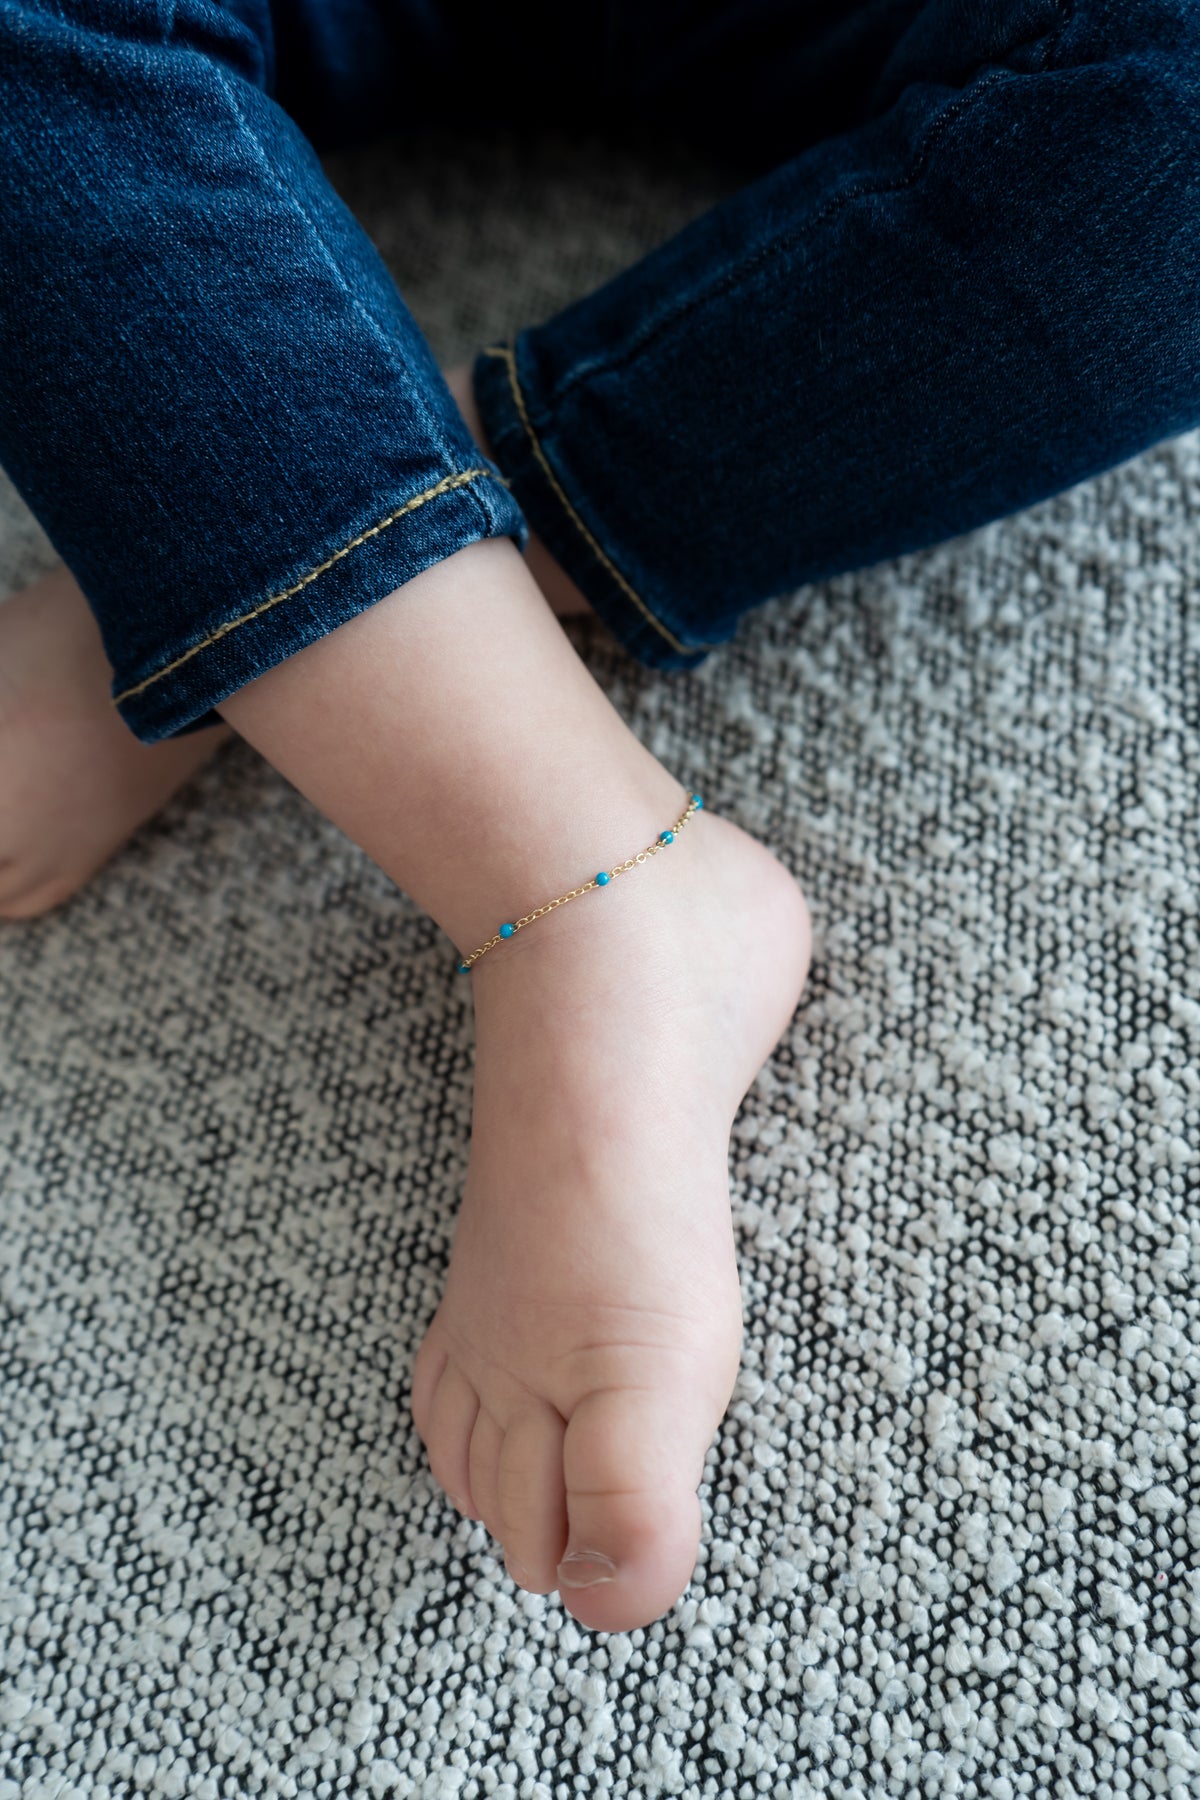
x=507 y=353
x=440 y=487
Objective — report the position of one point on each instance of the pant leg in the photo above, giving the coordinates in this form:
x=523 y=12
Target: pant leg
x=346 y=70
x=211 y=395
x=979 y=293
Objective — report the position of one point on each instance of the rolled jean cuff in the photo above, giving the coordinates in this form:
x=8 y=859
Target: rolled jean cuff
x=554 y=497
x=335 y=580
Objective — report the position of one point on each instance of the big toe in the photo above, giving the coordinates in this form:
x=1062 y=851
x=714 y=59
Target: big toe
x=632 y=1461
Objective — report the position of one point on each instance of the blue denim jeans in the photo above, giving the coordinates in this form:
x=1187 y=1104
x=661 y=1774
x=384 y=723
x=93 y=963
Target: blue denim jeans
x=960 y=275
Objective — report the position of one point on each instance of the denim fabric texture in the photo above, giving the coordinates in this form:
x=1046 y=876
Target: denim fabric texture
x=960 y=277
x=214 y=399
x=977 y=290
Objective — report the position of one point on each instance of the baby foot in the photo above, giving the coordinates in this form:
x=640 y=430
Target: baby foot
x=588 y=1341
x=74 y=781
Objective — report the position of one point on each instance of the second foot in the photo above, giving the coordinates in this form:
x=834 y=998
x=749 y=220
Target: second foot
x=74 y=781
x=559 y=591
x=589 y=1338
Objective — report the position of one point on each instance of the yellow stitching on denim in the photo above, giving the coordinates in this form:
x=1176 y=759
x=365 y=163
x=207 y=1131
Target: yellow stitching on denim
x=508 y=352
x=441 y=487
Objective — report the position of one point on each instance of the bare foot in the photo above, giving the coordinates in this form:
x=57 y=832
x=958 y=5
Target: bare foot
x=74 y=781
x=588 y=1340
x=589 y=1337
x=563 y=596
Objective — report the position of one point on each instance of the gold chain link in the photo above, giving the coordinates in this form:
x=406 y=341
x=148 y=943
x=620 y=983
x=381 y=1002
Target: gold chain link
x=694 y=805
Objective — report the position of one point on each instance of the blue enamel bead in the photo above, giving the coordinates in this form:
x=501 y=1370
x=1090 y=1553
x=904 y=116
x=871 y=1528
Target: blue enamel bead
x=507 y=930
x=464 y=968
x=666 y=837
x=698 y=800
x=603 y=878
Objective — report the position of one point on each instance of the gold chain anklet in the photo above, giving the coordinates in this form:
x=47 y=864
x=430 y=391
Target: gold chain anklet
x=510 y=929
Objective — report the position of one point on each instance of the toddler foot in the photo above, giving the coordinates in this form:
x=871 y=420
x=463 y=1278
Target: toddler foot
x=74 y=781
x=589 y=1337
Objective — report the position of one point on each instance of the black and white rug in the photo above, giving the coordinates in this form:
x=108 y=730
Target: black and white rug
x=953 y=1515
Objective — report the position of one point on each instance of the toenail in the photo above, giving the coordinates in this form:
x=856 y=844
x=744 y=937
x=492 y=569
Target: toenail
x=585 y=1568
x=516 y=1572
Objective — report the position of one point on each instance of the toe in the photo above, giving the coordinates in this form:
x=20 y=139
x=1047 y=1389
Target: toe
x=452 y=1414
x=633 y=1460
x=28 y=888
x=431 y=1360
x=34 y=902
x=483 y=1464
x=532 y=1498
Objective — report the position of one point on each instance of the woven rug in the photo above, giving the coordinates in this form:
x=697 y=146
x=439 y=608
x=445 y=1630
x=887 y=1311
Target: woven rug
x=953 y=1515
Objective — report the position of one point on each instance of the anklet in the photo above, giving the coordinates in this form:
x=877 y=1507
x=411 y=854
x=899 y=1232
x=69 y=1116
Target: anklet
x=694 y=805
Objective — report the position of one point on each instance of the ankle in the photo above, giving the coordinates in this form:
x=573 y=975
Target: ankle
x=452 y=731
x=588 y=906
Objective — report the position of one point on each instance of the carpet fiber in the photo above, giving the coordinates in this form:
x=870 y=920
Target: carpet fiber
x=953 y=1516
